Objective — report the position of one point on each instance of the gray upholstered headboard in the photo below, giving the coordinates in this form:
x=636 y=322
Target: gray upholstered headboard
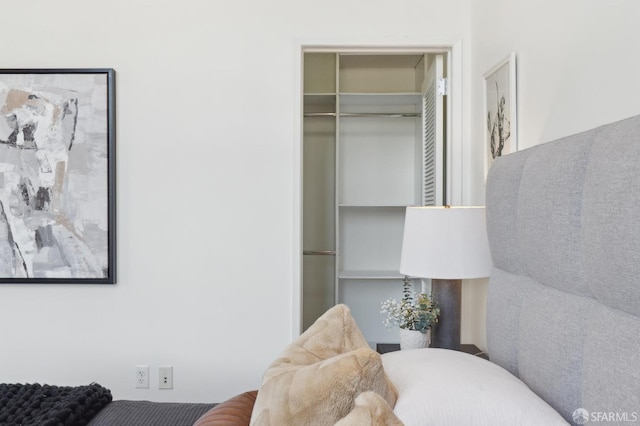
x=563 y=310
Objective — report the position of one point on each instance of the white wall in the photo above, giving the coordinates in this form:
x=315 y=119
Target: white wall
x=578 y=68
x=578 y=63
x=206 y=142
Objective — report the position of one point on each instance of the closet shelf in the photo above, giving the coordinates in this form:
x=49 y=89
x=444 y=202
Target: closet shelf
x=365 y=114
x=374 y=205
x=382 y=114
x=370 y=275
x=380 y=98
x=320 y=98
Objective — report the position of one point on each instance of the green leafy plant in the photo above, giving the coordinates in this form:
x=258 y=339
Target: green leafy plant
x=415 y=311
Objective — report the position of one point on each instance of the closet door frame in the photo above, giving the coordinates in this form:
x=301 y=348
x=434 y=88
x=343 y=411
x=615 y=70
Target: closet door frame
x=454 y=141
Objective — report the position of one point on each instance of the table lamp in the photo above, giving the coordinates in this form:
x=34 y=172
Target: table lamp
x=446 y=244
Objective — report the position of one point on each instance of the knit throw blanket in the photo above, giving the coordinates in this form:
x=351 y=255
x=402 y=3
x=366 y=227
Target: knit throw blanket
x=33 y=404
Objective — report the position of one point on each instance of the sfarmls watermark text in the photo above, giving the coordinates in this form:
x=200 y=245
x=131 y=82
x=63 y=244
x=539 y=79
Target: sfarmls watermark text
x=582 y=416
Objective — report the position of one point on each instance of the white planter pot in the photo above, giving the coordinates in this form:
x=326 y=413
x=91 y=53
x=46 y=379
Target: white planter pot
x=412 y=339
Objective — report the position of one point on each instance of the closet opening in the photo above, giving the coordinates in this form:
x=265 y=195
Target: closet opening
x=375 y=138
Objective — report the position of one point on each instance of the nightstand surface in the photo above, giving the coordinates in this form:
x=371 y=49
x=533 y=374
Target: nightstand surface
x=470 y=349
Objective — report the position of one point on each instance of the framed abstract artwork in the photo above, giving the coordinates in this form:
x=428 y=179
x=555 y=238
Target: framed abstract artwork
x=500 y=113
x=57 y=176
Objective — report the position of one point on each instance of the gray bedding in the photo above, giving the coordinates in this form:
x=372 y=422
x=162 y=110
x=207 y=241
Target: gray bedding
x=146 y=413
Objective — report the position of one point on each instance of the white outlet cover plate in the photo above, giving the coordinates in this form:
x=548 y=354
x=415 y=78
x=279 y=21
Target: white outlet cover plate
x=165 y=377
x=141 y=377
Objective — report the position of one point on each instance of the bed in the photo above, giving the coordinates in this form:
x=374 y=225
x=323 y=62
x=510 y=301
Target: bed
x=563 y=313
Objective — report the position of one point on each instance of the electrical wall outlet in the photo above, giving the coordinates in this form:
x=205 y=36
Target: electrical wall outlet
x=142 y=376
x=165 y=377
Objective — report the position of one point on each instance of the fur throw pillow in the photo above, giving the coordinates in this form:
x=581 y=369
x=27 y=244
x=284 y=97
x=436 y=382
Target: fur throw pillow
x=318 y=376
x=371 y=409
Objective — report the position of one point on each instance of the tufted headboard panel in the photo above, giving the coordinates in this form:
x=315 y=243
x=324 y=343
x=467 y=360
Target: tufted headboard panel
x=563 y=310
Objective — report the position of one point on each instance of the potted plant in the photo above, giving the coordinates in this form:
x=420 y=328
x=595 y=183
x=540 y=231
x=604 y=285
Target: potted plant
x=414 y=314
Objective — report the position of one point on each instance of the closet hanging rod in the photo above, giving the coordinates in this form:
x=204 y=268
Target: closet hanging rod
x=319 y=252
x=364 y=114
x=319 y=114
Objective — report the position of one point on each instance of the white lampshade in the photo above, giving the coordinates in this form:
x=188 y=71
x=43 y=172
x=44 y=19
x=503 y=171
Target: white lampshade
x=445 y=243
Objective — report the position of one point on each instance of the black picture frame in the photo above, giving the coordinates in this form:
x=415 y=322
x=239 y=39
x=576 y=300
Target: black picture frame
x=58 y=176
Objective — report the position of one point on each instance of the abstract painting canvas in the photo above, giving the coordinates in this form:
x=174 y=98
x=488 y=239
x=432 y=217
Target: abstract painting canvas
x=57 y=176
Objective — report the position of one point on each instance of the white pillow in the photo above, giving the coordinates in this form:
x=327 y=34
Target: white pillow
x=444 y=387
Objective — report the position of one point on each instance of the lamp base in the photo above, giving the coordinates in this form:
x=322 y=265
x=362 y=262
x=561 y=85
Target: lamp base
x=448 y=294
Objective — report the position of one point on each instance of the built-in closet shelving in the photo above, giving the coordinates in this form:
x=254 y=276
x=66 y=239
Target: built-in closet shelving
x=367 y=113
